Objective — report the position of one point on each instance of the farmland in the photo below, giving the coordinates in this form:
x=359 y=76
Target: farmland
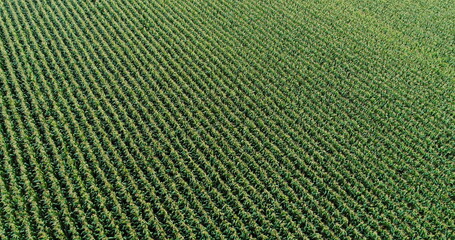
x=199 y=119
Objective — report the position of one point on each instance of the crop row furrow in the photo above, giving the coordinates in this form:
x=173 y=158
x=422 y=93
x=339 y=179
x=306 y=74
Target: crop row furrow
x=8 y=210
x=124 y=218
x=30 y=139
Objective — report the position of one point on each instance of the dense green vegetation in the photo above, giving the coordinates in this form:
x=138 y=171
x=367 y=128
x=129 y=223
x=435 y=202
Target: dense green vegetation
x=200 y=119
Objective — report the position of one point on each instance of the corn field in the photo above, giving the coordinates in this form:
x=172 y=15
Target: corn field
x=222 y=119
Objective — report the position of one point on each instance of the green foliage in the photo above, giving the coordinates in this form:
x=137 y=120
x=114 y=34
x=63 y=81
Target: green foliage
x=226 y=119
